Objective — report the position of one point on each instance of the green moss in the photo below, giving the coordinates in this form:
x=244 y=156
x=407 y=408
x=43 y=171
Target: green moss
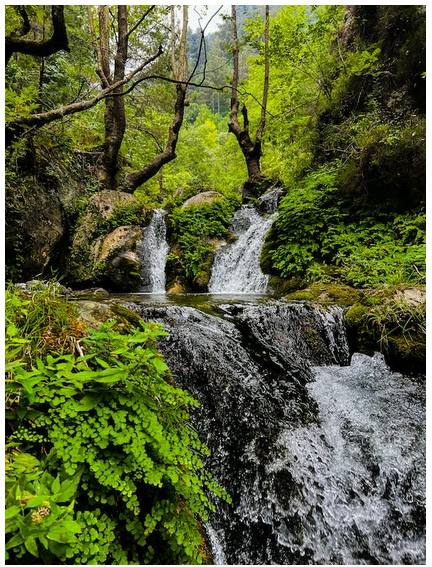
x=408 y=353
x=385 y=321
x=126 y=315
x=192 y=232
x=326 y=294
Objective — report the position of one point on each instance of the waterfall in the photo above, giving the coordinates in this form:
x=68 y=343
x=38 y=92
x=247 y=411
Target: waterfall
x=236 y=267
x=325 y=461
x=153 y=251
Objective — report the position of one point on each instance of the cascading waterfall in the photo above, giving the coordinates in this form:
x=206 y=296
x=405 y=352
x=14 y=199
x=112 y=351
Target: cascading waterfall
x=236 y=267
x=325 y=462
x=153 y=252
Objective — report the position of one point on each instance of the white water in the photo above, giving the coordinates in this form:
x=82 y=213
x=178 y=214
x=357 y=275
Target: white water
x=236 y=267
x=153 y=252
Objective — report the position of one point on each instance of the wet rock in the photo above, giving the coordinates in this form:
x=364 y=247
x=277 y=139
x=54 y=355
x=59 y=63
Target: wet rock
x=204 y=198
x=95 y=293
x=269 y=202
x=304 y=452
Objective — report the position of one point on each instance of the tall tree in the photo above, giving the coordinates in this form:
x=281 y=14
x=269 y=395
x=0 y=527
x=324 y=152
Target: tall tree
x=179 y=63
x=251 y=148
x=115 y=115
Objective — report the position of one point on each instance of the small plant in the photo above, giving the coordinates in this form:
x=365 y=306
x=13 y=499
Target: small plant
x=103 y=465
x=193 y=228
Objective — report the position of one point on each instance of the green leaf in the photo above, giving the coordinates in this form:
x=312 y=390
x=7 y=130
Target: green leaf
x=87 y=403
x=60 y=535
x=31 y=546
x=14 y=541
x=55 y=487
x=36 y=501
x=160 y=365
x=11 y=512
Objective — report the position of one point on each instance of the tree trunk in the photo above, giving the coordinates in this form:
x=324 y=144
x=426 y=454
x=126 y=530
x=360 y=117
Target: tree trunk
x=115 y=116
x=250 y=148
x=135 y=179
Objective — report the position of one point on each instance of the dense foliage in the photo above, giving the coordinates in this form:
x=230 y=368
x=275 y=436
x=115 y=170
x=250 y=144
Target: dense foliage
x=355 y=204
x=102 y=464
x=196 y=230
x=320 y=237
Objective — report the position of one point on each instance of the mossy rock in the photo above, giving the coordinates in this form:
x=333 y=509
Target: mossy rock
x=282 y=287
x=125 y=314
x=407 y=353
x=94 y=240
x=204 y=198
x=94 y=313
x=390 y=321
x=327 y=294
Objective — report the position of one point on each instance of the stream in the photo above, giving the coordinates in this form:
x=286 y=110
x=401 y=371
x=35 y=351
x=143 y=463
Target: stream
x=323 y=453
x=322 y=450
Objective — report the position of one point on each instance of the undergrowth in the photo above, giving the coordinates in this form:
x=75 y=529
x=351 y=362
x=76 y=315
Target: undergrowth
x=102 y=464
x=192 y=229
x=318 y=237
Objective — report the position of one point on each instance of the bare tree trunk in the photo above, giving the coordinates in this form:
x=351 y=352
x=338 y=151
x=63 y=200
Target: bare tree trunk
x=115 y=116
x=135 y=179
x=57 y=42
x=250 y=148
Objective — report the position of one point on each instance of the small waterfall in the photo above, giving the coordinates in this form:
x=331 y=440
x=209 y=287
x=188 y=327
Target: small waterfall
x=153 y=252
x=325 y=462
x=236 y=267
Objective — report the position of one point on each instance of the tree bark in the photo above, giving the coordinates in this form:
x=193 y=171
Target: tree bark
x=250 y=148
x=57 y=42
x=115 y=116
x=135 y=179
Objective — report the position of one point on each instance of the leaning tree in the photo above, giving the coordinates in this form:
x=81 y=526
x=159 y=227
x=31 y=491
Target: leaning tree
x=249 y=145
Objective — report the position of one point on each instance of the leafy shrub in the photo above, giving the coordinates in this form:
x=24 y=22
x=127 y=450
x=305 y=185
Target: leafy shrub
x=103 y=466
x=192 y=229
x=124 y=215
x=316 y=228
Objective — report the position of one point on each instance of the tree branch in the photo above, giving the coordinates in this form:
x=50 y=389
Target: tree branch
x=135 y=179
x=15 y=127
x=57 y=42
x=140 y=21
x=25 y=23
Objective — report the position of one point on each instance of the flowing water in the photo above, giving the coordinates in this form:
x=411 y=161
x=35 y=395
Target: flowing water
x=153 y=253
x=324 y=457
x=236 y=267
x=325 y=461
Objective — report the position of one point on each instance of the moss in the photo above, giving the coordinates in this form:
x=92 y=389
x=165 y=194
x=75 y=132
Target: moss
x=387 y=322
x=126 y=315
x=407 y=354
x=282 y=286
x=326 y=294
x=356 y=315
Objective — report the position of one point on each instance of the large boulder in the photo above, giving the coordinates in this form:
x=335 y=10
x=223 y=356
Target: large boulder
x=203 y=198
x=100 y=256
x=115 y=256
x=34 y=229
